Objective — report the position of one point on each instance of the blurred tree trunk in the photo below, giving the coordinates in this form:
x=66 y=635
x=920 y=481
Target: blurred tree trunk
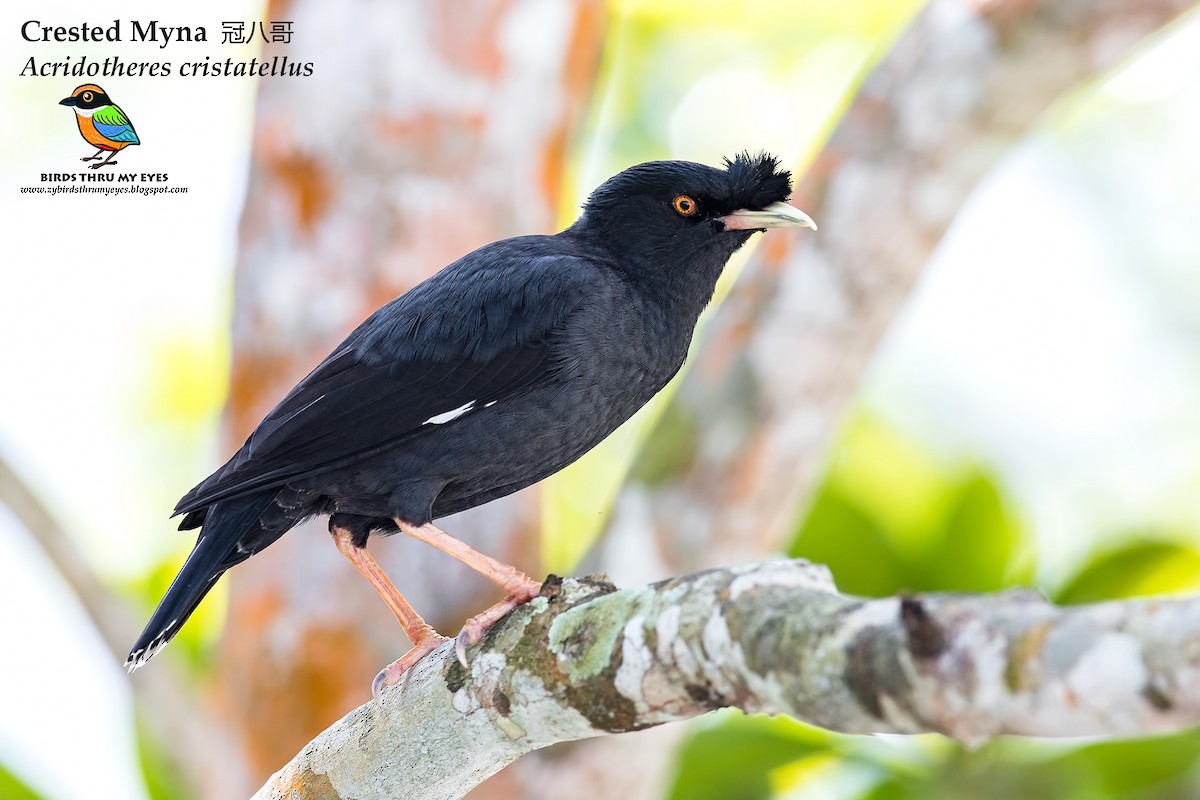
x=426 y=130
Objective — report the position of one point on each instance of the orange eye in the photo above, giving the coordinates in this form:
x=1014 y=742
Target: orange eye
x=685 y=206
x=87 y=97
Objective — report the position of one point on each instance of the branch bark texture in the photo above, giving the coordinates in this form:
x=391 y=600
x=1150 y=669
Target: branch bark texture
x=586 y=659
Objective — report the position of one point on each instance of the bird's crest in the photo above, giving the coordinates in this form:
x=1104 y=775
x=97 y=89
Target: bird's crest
x=757 y=181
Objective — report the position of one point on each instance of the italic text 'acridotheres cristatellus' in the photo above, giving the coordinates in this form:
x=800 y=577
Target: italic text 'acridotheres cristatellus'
x=498 y=371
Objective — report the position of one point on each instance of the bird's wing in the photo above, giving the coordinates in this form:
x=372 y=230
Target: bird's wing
x=113 y=125
x=481 y=330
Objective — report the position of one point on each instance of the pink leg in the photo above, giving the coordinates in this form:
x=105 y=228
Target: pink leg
x=519 y=587
x=424 y=638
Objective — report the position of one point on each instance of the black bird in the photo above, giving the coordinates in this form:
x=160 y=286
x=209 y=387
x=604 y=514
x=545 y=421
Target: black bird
x=496 y=372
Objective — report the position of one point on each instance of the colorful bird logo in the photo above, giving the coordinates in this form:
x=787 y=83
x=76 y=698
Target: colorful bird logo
x=102 y=123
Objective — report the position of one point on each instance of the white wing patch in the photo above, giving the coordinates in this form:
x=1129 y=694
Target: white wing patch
x=442 y=419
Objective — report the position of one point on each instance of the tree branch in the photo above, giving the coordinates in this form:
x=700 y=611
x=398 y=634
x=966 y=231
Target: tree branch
x=585 y=659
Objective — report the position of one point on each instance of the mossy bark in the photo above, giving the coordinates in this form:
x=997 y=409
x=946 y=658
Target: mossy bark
x=585 y=660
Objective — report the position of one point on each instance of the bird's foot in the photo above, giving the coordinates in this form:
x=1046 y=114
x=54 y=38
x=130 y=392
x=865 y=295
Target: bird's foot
x=474 y=628
x=90 y=158
x=392 y=673
x=102 y=164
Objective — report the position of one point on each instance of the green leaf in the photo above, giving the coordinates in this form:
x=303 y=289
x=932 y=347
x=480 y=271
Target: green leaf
x=731 y=756
x=840 y=535
x=888 y=518
x=894 y=479
x=11 y=788
x=980 y=547
x=1139 y=568
x=896 y=789
x=1158 y=767
x=1162 y=768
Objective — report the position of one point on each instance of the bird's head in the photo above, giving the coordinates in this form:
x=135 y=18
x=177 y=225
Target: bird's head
x=665 y=210
x=87 y=97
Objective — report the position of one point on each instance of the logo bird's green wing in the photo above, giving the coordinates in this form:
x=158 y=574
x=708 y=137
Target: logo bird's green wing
x=113 y=125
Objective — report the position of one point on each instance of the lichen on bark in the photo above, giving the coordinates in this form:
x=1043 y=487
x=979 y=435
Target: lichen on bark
x=584 y=660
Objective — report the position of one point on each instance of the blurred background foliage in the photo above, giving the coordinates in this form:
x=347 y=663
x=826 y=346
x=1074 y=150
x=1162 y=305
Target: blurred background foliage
x=731 y=755
x=922 y=490
x=888 y=518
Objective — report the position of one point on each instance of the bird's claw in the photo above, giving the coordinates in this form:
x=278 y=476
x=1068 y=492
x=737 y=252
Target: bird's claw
x=101 y=164
x=380 y=680
x=472 y=631
x=474 y=628
x=460 y=647
x=393 y=673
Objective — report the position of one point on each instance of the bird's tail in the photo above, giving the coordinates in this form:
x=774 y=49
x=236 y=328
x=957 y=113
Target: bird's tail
x=232 y=532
